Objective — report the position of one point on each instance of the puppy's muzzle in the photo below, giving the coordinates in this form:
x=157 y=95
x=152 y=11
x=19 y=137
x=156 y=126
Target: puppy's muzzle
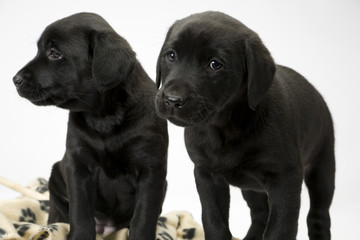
x=175 y=96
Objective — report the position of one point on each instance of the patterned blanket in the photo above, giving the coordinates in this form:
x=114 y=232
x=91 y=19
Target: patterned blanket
x=25 y=218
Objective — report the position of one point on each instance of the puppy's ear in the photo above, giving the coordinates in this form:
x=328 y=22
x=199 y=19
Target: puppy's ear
x=260 y=69
x=158 y=64
x=158 y=71
x=113 y=59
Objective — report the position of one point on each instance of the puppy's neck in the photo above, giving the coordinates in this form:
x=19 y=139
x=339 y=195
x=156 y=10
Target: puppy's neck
x=104 y=123
x=105 y=114
x=99 y=123
x=238 y=120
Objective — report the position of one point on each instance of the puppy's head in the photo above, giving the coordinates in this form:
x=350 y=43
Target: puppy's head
x=210 y=61
x=79 y=58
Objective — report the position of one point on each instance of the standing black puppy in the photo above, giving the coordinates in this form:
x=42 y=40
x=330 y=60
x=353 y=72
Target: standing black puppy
x=114 y=169
x=249 y=123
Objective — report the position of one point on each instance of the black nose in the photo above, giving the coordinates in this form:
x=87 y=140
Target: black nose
x=174 y=101
x=18 y=80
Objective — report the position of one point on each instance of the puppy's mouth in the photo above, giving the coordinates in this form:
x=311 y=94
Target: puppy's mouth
x=193 y=112
x=38 y=97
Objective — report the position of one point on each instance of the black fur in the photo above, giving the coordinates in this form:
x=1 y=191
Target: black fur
x=114 y=167
x=249 y=123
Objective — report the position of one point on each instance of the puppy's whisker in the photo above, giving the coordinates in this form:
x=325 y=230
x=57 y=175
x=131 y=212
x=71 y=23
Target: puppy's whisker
x=199 y=115
x=80 y=99
x=44 y=94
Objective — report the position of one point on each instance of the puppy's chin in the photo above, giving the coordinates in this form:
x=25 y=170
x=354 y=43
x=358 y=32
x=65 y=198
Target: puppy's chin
x=175 y=120
x=186 y=116
x=37 y=97
x=179 y=122
x=41 y=97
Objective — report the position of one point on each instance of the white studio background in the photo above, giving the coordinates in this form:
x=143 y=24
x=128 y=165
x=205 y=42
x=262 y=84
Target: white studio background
x=320 y=39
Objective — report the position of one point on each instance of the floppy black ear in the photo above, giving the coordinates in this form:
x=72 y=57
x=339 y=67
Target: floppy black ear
x=158 y=64
x=260 y=68
x=158 y=71
x=113 y=59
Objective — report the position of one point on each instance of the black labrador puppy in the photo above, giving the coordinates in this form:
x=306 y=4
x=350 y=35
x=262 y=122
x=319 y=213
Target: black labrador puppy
x=249 y=123
x=113 y=174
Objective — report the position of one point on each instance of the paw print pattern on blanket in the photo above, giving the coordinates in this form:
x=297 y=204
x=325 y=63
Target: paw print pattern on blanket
x=21 y=230
x=183 y=224
x=2 y=232
x=53 y=227
x=164 y=236
x=189 y=233
x=27 y=216
x=161 y=222
x=43 y=185
x=44 y=205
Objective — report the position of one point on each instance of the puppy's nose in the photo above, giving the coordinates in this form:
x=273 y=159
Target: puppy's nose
x=18 y=80
x=174 y=100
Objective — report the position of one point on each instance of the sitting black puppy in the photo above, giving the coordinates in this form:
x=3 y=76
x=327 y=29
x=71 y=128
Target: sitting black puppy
x=249 y=123
x=113 y=174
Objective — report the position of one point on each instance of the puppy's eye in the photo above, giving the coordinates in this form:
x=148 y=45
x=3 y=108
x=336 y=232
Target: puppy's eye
x=54 y=55
x=171 y=56
x=215 y=65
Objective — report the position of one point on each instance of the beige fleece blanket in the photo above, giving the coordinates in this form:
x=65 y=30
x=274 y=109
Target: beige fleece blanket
x=25 y=218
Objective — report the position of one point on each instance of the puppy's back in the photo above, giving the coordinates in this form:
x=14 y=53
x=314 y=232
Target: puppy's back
x=308 y=108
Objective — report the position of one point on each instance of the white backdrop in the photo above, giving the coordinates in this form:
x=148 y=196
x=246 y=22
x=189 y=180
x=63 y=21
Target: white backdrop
x=320 y=39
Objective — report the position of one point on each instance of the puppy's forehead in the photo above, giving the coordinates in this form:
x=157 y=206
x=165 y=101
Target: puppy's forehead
x=208 y=27
x=74 y=26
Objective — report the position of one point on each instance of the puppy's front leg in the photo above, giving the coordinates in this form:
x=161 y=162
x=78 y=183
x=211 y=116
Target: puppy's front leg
x=284 y=206
x=151 y=193
x=215 y=199
x=81 y=194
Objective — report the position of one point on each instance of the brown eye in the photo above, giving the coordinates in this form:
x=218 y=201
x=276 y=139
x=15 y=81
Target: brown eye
x=215 y=65
x=171 y=56
x=54 y=55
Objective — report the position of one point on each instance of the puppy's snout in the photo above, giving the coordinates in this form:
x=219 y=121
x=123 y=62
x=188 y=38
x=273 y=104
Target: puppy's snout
x=18 y=80
x=175 y=94
x=174 y=100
